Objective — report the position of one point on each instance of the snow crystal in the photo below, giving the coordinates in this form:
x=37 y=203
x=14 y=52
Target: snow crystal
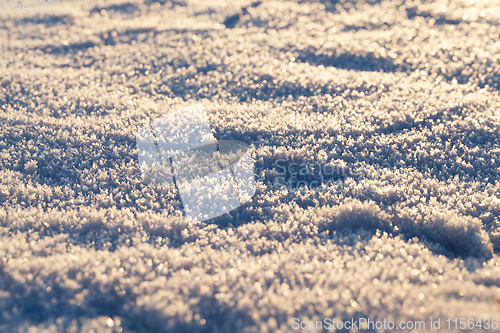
x=400 y=98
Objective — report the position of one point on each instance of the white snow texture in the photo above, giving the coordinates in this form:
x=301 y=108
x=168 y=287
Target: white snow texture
x=401 y=99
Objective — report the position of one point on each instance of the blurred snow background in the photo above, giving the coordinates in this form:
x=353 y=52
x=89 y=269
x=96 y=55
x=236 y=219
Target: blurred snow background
x=362 y=85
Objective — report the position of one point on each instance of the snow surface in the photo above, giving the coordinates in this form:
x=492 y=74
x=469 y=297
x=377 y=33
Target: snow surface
x=402 y=97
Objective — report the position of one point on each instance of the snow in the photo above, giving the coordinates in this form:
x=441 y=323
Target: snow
x=402 y=98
